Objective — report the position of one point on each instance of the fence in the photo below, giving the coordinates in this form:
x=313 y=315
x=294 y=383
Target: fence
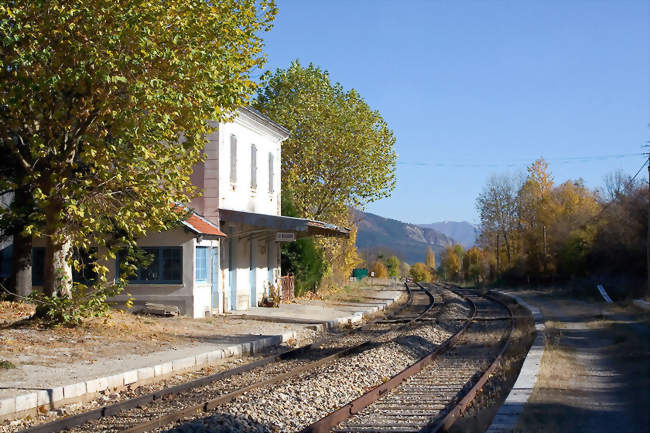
x=287 y=285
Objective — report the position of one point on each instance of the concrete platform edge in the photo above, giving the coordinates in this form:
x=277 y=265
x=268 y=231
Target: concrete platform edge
x=51 y=398
x=28 y=403
x=508 y=415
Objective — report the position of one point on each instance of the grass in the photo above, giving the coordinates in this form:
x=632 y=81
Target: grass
x=6 y=364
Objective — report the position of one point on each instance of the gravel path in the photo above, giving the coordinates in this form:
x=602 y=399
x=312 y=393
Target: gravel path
x=595 y=372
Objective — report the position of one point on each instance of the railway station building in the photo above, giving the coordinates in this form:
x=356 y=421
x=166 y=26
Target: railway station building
x=226 y=254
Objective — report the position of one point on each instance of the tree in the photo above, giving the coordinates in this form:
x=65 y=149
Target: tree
x=339 y=152
x=430 y=260
x=104 y=110
x=393 y=265
x=451 y=263
x=420 y=272
x=533 y=215
x=380 y=270
x=404 y=269
x=497 y=207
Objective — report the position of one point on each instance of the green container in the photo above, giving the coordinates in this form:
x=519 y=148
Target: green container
x=360 y=273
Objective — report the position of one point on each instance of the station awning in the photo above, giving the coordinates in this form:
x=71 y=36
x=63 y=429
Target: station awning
x=302 y=227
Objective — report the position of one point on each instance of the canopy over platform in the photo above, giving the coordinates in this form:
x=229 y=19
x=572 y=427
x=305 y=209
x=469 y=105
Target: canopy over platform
x=300 y=226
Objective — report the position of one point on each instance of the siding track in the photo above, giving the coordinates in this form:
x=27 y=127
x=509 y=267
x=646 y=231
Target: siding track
x=431 y=394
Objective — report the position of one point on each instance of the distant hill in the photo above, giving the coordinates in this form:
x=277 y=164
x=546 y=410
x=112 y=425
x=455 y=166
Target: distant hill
x=409 y=242
x=461 y=231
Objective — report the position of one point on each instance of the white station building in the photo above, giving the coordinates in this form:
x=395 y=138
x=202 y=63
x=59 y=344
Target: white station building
x=227 y=254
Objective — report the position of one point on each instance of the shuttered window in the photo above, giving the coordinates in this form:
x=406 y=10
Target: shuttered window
x=233 y=158
x=202 y=260
x=253 y=166
x=271 y=174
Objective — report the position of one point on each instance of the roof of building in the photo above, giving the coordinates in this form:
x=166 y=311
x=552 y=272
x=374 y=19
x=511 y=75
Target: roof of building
x=262 y=118
x=202 y=226
x=301 y=226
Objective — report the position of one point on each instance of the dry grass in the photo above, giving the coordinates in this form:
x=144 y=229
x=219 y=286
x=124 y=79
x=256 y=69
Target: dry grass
x=96 y=337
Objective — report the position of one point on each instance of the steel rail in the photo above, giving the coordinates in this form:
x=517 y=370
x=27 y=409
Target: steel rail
x=444 y=424
x=209 y=405
x=325 y=424
x=116 y=408
x=437 y=425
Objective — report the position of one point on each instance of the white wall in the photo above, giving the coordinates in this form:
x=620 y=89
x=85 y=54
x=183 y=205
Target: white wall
x=240 y=195
x=193 y=298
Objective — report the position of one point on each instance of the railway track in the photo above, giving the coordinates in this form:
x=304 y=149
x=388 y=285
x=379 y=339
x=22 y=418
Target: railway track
x=431 y=394
x=414 y=371
x=159 y=408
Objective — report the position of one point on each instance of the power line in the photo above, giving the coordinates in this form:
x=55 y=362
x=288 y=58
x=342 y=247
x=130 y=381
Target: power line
x=519 y=162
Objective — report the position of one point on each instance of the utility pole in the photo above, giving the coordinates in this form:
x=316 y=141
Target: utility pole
x=648 y=239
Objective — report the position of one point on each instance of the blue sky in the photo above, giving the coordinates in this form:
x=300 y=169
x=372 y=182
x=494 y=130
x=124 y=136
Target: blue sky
x=474 y=88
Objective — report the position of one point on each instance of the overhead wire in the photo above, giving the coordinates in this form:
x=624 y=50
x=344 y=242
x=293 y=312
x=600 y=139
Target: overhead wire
x=519 y=162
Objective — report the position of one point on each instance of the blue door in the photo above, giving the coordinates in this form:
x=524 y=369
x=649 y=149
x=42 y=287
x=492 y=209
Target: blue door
x=232 y=276
x=215 y=278
x=253 y=277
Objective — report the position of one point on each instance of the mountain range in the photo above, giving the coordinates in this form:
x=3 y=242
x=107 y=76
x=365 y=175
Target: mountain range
x=461 y=231
x=409 y=242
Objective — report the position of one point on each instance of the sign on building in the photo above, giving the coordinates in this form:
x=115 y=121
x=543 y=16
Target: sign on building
x=285 y=237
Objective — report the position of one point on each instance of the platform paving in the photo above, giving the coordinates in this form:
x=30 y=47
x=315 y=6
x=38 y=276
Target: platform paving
x=38 y=385
x=325 y=314
x=508 y=415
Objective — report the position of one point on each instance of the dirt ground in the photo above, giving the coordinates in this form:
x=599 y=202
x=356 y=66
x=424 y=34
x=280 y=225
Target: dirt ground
x=105 y=336
x=595 y=372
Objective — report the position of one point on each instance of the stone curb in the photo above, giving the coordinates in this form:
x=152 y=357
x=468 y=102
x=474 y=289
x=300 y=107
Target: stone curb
x=506 y=418
x=25 y=404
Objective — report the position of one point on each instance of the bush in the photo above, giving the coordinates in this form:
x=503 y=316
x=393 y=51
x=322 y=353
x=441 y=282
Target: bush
x=420 y=272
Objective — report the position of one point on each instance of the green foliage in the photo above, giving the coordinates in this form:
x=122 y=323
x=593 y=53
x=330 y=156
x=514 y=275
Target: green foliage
x=302 y=258
x=83 y=302
x=393 y=266
x=4 y=364
x=420 y=272
x=305 y=260
x=542 y=230
x=339 y=152
x=105 y=109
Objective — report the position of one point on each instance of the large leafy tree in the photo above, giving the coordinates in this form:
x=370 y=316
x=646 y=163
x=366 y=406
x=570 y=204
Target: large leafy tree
x=104 y=106
x=340 y=151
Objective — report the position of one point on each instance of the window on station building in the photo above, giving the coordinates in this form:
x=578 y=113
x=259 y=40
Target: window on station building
x=166 y=266
x=202 y=263
x=271 y=173
x=253 y=166
x=233 y=158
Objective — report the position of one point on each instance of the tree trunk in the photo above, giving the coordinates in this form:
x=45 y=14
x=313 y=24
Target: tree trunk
x=58 y=272
x=21 y=267
x=20 y=282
